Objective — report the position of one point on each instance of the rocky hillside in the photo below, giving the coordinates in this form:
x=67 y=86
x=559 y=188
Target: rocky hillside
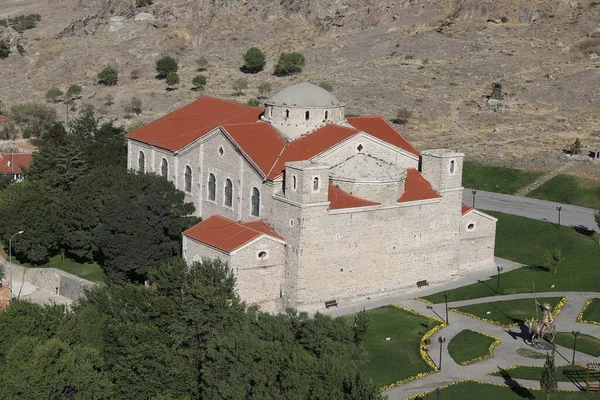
x=437 y=59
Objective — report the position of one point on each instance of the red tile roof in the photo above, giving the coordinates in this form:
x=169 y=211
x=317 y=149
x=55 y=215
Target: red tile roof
x=227 y=235
x=379 y=127
x=11 y=163
x=466 y=209
x=181 y=127
x=417 y=188
x=340 y=199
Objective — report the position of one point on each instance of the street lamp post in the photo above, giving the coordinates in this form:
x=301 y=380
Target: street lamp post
x=10 y=284
x=438 y=391
x=559 y=209
x=473 y=192
x=575 y=334
x=499 y=269
x=446 y=295
x=441 y=340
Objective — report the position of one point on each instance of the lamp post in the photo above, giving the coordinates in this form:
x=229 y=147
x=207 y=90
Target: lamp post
x=499 y=269
x=10 y=284
x=473 y=192
x=441 y=340
x=438 y=391
x=446 y=295
x=575 y=334
x=559 y=209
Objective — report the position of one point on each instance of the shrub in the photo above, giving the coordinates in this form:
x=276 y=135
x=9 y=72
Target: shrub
x=73 y=91
x=135 y=74
x=109 y=100
x=142 y=3
x=253 y=102
x=326 y=86
x=166 y=65
x=199 y=82
x=402 y=116
x=4 y=49
x=264 y=89
x=289 y=63
x=254 y=60
x=202 y=63
x=108 y=76
x=133 y=107
x=34 y=119
x=53 y=94
x=239 y=86
x=8 y=130
x=172 y=79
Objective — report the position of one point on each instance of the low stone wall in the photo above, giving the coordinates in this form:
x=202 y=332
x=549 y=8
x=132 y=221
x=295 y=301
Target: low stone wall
x=54 y=280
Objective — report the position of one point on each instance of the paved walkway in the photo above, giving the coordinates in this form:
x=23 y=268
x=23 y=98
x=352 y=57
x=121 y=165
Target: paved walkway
x=576 y=216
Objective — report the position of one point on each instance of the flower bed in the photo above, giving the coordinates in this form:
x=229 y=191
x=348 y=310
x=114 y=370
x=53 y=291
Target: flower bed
x=580 y=317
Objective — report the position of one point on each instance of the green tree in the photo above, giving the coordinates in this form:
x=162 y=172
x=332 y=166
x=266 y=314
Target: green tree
x=360 y=326
x=548 y=381
x=172 y=79
x=73 y=91
x=264 y=89
x=199 y=82
x=166 y=65
x=108 y=76
x=53 y=95
x=253 y=102
x=597 y=218
x=202 y=63
x=8 y=130
x=142 y=3
x=239 y=85
x=254 y=60
x=34 y=119
x=553 y=259
x=402 y=116
x=4 y=49
x=289 y=63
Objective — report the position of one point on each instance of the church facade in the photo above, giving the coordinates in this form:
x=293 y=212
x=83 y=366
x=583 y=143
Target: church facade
x=307 y=205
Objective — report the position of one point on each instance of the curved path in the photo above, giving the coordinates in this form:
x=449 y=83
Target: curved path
x=505 y=354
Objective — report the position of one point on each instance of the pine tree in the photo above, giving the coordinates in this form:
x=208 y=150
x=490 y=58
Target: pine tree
x=548 y=381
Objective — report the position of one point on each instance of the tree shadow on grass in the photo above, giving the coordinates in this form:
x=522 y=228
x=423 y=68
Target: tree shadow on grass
x=542 y=268
x=488 y=286
x=513 y=320
x=515 y=386
x=585 y=231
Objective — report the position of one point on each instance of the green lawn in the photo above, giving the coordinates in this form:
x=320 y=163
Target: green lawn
x=585 y=343
x=475 y=390
x=468 y=346
x=570 y=189
x=567 y=373
x=496 y=179
x=389 y=361
x=526 y=240
x=90 y=271
x=508 y=312
x=593 y=311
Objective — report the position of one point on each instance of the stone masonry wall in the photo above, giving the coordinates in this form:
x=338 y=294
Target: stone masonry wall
x=478 y=243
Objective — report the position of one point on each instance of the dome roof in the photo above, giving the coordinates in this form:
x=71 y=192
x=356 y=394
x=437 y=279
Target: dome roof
x=304 y=94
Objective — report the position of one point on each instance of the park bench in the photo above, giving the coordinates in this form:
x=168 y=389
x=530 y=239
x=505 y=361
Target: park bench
x=422 y=283
x=331 y=303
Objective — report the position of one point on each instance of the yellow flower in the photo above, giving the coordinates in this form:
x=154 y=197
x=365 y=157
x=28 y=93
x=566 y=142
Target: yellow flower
x=583 y=310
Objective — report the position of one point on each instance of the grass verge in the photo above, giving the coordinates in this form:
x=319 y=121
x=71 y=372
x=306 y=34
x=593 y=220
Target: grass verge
x=387 y=362
x=570 y=189
x=476 y=390
x=585 y=343
x=526 y=241
x=591 y=312
x=567 y=373
x=524 y=352
x=469 y=346
x=507 y=313
x=496 y=179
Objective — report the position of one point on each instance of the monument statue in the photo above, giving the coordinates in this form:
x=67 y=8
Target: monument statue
x=538 y=329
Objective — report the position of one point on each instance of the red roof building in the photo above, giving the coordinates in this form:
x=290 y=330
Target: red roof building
x=308 y=206
x=11 y=163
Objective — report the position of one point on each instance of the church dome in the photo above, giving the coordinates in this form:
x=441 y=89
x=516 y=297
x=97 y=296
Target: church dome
x=304 y=94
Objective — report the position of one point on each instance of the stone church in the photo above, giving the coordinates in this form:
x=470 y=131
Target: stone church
x=307 y=205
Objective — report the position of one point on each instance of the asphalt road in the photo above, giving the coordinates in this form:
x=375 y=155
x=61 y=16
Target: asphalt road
x=532 y=208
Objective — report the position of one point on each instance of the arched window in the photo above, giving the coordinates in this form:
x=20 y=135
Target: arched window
x=228 y=193
x=294 y=184
x=326 y=115
x=188 y=179
x=287 y=113
x=316 y=183
x=307 y=115
x=142 y=162
x=255 y=202
x=212 y=187
x=164 y=168
x=452 y=166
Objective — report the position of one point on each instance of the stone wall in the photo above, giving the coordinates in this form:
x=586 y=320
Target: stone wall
x=51 y=279
x=477 y=241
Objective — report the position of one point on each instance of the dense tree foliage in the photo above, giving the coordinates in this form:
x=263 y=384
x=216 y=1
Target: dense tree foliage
x=187 y=337
x=289 y=63
x=34 y=119
x=108 y=76
x=79 y=199
x=165 y=66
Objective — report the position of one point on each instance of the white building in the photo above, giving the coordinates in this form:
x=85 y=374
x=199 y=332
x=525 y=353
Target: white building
x=308 y=206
